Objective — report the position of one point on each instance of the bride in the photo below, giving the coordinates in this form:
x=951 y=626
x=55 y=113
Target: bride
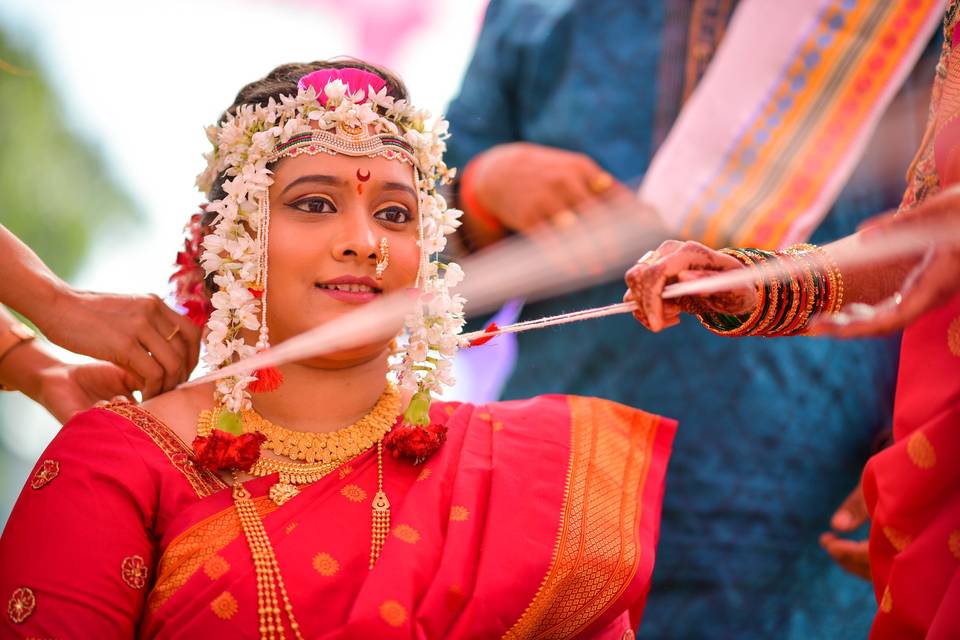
x=331 y=498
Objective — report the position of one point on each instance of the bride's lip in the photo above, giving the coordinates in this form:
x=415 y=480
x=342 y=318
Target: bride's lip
x=350 y=289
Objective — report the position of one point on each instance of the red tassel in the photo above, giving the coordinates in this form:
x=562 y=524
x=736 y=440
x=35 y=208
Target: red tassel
x=268 y=379
x=476 y=342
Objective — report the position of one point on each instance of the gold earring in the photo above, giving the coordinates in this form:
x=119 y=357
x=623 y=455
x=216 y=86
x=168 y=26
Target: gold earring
x=384 y=260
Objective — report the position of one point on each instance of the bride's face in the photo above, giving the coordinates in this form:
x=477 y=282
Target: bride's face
x=328 y=215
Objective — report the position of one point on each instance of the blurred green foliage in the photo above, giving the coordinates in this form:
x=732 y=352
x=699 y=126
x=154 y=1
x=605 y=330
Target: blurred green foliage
x=55 y=193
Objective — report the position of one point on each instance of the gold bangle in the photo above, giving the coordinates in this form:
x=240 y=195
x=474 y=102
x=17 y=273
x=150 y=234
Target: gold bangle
x=806 y=268
x=832 y=270
x=773 y=308
x=747 y=324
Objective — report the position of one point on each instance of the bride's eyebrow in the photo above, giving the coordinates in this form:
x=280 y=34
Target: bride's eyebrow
x=399 y=186
x=315 y=179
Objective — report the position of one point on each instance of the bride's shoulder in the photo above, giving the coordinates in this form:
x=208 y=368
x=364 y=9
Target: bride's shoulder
x=178 y=409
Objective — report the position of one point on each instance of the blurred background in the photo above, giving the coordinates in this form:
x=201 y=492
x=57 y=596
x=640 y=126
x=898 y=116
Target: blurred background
x=103 y=104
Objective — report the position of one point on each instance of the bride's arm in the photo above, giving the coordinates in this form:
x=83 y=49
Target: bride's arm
x=685 y=261
x=901 y=289
x=76 y=553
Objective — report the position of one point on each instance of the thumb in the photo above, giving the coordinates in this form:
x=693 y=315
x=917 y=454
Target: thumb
x=852 y=513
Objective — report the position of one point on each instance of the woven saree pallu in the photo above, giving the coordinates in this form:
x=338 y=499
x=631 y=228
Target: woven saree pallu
x=781 y=118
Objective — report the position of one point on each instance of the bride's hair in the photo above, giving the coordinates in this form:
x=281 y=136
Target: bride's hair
x=283 y=80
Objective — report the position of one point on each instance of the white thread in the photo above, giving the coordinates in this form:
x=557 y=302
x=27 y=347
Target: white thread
x=550 y=321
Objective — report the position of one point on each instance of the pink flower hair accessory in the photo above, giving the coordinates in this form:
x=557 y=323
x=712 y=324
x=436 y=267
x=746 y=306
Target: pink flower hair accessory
x=356 y=80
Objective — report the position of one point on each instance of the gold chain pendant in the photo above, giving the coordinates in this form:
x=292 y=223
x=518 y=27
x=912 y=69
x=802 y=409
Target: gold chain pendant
x=291 y=474
x=283 y=491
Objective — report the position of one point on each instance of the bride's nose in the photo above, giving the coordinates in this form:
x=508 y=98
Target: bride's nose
x=357 y=238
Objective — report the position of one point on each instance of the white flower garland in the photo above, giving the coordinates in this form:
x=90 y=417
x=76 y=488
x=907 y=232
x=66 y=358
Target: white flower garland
x=244 y=144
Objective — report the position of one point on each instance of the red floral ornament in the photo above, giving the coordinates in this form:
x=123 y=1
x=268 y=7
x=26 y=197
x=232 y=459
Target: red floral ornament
x=222 y=450
x=415 y=442
x=134 y=572
x=47 y=471
x=21 y=605
x=414 y=436
x=190 y=289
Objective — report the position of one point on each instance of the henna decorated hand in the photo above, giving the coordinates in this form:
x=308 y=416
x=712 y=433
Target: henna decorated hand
x=676 y=261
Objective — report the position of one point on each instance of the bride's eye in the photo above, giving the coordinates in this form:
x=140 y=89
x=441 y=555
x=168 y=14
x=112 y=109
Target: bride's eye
x=396 y=215
x=314 y=204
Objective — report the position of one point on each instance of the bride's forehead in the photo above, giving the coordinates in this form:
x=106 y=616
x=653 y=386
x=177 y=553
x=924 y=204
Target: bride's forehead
x=345 y=167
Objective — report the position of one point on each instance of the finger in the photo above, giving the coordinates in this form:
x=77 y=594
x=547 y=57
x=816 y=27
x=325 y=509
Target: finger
x=540 y=213
x=633 y=294
x=852 y=513
x=629 y=296
x=601 y=182
x=130 y=383
x=575 y=190
x=592 y=180
x=189 y=335
x=671 y=310
x=178 y=346
x=852 y=555
x=148 y=371
x=891 y=315
x=652 y=282
x=170 y=334
x=618 y=192
x=669 y=247
x=671 y=321
x=170 y=362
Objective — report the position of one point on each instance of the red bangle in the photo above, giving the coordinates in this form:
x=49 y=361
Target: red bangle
x=468 y=197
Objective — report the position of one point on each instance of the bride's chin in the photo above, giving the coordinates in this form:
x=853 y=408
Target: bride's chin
x=349 y=358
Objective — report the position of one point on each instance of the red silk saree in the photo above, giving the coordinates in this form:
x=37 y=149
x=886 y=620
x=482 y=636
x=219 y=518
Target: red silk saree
x=536 y=519
x=913 y=487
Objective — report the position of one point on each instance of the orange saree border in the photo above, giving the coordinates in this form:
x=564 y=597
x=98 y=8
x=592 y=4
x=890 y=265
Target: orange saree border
x=597 y=552
x=203 y=481
x=196 y=547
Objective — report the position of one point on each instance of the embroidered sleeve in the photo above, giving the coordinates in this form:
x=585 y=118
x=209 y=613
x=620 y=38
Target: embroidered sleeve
x=77 y=554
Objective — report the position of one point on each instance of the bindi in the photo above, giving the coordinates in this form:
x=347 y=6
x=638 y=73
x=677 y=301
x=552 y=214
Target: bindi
x=362 y=177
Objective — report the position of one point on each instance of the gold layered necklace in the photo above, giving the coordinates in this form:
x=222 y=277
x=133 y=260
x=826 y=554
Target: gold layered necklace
x=322 y=453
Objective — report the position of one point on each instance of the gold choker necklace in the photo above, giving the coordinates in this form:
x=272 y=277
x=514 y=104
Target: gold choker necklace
x=334 y=447
x=322 y=452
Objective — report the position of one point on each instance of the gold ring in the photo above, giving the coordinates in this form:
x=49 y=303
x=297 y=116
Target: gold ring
x=601 y=182
x=175 y=331
x=564 y=218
